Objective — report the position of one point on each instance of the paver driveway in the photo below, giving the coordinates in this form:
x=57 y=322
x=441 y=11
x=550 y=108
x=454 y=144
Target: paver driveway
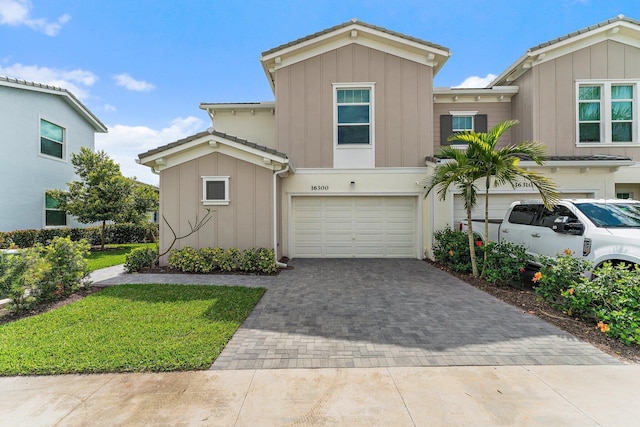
x=371 y=313
x=377 y=313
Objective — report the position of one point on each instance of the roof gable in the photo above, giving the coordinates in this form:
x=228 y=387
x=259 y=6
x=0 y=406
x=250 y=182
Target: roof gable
x=358 y=32
x=68 y=97
x=211 y=141
x=620 y=29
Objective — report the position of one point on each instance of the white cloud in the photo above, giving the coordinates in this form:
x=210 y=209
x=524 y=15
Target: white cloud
x=124 y=143
x=130 y=83
x=17 y=12
x=109 y=108
x=76 y=81
x=476 y=81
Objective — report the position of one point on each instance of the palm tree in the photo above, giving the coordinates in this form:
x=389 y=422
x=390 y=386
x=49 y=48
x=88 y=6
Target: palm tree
x=458 y=171
x=503 y=164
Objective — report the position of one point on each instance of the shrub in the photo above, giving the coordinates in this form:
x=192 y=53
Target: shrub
x=505 y=262
x=24 y=238
x=211 y=256
x=249 y=260
x=229 y=260
x=451 y=249
x=558 y=274
x=184 y=259
x=22 y=277
x=139 y=258
x=611 y=298
x=267 y=261
x=68 y=265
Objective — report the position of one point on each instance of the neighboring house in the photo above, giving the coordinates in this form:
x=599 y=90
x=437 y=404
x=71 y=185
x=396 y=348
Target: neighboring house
x=40 y=126
x=336 y=165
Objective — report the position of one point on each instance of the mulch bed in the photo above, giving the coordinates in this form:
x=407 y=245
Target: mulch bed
x=526 y=300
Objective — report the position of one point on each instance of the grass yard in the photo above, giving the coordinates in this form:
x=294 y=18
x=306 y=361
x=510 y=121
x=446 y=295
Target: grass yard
x=128 y=328
x=113 y=255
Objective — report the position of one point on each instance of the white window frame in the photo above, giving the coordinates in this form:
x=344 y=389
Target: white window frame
x=471 y=114
x=605 y=112
x=370 y=87
x=45 y=209
x=64 y=140
x=212 y=202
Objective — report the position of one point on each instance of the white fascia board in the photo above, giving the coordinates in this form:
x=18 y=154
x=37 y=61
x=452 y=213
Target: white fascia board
x=267 y=105
x=627 y=34
x=379 y=40
x=493 y=94
x=201 y=147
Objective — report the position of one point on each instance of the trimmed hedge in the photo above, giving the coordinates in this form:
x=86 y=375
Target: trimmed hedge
x=205 y=260
x=114 y=234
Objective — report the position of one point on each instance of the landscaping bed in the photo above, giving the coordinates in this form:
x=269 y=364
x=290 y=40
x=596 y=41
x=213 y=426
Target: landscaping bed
x=525 y=299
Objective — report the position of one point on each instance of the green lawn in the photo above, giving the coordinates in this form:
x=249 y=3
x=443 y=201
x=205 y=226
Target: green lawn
x=128 y=328
x=114 y=255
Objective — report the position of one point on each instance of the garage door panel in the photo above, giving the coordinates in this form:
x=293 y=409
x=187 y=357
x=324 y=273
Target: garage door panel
x=371 y=227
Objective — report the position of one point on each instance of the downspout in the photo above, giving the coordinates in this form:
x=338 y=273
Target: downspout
x=275 y=214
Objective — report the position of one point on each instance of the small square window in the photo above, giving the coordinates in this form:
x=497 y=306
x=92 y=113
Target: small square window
x=53 y=217
x=51 y=139
x=215 y=190
x=462 y=123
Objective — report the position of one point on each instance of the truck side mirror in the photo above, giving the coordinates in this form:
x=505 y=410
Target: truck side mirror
x=562 y=225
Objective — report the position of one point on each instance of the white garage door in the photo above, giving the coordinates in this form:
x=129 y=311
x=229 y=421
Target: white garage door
x=499 y=203
x=354 y=227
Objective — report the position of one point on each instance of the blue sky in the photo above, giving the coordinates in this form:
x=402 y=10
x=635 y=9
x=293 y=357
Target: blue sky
x=144 y=66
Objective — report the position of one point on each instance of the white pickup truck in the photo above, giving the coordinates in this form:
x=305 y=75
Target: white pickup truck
x=597 y=230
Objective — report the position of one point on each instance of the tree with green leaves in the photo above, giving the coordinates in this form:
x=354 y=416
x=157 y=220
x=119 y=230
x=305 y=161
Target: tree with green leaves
x=500 y=166
x=481 y=159
x=102 y=193
x=459 y=171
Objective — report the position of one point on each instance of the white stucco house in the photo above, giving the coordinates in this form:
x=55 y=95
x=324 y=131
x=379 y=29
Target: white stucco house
x=40 y=126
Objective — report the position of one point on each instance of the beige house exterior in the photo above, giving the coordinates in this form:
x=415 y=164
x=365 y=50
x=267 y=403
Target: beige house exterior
x=336 y=165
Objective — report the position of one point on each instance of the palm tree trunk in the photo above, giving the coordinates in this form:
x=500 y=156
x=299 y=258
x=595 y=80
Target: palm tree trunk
x=486 y=221
x=472 y=243
x=102 y=233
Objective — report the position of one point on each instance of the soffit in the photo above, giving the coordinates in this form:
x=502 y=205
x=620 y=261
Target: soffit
x=357 y=32
x=620 y=29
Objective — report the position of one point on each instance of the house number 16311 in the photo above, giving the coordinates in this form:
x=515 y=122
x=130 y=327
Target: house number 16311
x=319 y=187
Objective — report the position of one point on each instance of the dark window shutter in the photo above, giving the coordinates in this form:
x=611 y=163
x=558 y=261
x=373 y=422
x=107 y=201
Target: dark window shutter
x=215 y=190
x=481 y=123
x=446 y=128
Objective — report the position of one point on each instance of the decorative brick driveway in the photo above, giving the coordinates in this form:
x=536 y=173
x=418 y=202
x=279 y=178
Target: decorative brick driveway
x=373 y=313
x=378 y=313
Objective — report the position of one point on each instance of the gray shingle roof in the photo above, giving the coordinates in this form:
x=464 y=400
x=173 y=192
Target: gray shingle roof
x=36 y=86
x=215 y=133
x=586 y=30
x=352 y=22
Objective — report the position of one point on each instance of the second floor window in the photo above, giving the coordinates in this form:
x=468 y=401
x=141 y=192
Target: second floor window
x=607 y=112
x=462 y=123
x=354 y=115
x=51 y=139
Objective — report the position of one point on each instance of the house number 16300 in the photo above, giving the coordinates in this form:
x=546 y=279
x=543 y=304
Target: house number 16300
x=319 y=187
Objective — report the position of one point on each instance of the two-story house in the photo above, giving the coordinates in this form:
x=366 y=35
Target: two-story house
x=336 y=165
x=40 y=126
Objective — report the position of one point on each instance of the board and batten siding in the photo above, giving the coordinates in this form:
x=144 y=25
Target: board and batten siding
x=549 y=88
x=245 y=223
x=496 y=112
x=403 y=106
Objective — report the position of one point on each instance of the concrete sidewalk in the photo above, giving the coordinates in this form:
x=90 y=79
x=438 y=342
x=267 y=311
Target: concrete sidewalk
x=572 y=393
x=455 y=396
